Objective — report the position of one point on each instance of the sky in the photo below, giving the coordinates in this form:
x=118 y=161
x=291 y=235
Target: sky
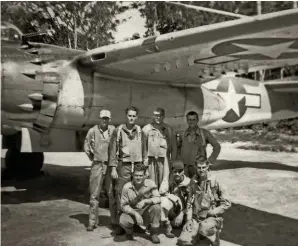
x=134 y=23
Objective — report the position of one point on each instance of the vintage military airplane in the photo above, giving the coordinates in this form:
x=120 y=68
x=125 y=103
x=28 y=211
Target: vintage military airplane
x=51 y=95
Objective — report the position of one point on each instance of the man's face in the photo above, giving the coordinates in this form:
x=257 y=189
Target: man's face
x=158 y=118
x=192 y=120
x=131 y=117
x=138 y=177
x=202 y=169
x=104 y=122
x=178 y=175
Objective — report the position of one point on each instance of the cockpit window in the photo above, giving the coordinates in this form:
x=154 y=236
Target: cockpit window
x=10 y=33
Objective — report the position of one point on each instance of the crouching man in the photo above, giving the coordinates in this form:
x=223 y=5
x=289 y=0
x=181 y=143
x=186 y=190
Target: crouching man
x=173 y=204
x=140 y=203
x=205 y=206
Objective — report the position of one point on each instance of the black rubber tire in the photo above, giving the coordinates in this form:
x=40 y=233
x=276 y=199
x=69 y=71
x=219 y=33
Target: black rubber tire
x=23 y=164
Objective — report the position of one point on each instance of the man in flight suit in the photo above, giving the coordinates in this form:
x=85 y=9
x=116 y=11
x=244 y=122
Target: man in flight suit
x=205 y=206
x=127 y=149
x=158 y=142
x=173 y=204
x=192 y=144
x=96 y=147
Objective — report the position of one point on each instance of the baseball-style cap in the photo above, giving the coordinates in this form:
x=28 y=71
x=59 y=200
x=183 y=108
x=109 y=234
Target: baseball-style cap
x=105 y=113
x=177 y=165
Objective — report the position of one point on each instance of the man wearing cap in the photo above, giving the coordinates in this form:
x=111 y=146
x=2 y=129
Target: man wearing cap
x=159 y=140
x=127 y=149
x=205 y=207
x=192 y=144
x=173 y=204
x=96 y=147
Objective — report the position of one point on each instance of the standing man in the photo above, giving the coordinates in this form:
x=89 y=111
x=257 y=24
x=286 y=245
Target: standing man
x=173 y=205
x=127 y=149
x=192 y=144
x=96 y=147
x=140 y=203
x=205 y=207
x=159 y=149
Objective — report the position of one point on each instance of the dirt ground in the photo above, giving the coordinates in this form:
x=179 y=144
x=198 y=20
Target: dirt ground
x=53 y=209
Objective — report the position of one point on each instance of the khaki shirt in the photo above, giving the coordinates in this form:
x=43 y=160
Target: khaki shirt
x=190 y=146
x=130 y=196
x=97 y=142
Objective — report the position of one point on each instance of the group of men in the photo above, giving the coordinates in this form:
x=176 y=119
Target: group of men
x=154 y=176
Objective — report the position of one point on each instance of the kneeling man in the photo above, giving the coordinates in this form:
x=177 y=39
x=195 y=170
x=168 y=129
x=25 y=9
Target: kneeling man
x=140 y=204
x=173 y=204
x=205 y=206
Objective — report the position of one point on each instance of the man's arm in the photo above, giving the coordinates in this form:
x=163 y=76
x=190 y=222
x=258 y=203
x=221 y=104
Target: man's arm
x=215 y=144
x=224 y=203
x=125 y=204
x=113 y=158
x=145 y=145
x=155 y=196
x=88 y=148
x=189 y=203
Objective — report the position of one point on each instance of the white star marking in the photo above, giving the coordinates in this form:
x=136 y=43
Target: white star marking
x=272 y=51
x=232 y=98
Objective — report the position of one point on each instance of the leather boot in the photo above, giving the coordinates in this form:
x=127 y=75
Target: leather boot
x=153 y=235
x=119 y=230
x=168 y=230
x=90 y=227
x=129 y=237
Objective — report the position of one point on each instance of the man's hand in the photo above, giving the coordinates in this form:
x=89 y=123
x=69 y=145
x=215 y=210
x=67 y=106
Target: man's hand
x=215 y=211
x=178 y=220
x=188 y=225
x=211 y=213
x=141 y=204
x=164 y=187
x=139 y=219
x=114 y=173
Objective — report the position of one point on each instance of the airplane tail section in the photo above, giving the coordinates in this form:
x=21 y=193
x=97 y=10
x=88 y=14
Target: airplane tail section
x=249 y=101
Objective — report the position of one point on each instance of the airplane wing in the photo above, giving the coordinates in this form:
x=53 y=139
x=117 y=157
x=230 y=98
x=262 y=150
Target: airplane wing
x=201 y=54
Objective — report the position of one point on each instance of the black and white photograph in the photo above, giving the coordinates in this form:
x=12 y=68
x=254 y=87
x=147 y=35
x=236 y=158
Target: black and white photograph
x=127 y=123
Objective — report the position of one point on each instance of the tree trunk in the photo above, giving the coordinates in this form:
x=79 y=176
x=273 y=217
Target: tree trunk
x=75 y=33
x=69 y=41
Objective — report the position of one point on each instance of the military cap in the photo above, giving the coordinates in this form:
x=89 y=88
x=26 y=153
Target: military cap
x=160 y=111
x=177 y=165
x=202 y=160
x=105 y=113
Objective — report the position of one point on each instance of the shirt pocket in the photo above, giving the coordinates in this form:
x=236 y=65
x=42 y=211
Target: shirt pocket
x=125 y=151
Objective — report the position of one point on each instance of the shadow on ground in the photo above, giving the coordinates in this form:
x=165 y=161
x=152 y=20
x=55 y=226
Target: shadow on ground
x=243 y=225
x=227 y=164
x=103 y=220
x=247 y=226
x=57 y=182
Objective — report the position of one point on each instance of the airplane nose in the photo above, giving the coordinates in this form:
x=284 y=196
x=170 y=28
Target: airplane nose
x=215 y=107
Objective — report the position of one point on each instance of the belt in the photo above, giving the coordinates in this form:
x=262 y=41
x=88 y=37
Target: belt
x=131 y=163
x=101 y=162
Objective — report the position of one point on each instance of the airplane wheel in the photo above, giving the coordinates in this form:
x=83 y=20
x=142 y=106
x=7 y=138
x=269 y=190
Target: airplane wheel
x=23 y=165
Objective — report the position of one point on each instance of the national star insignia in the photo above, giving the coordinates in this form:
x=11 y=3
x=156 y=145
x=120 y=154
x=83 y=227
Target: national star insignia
x=272 y=51
x=232 y=98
